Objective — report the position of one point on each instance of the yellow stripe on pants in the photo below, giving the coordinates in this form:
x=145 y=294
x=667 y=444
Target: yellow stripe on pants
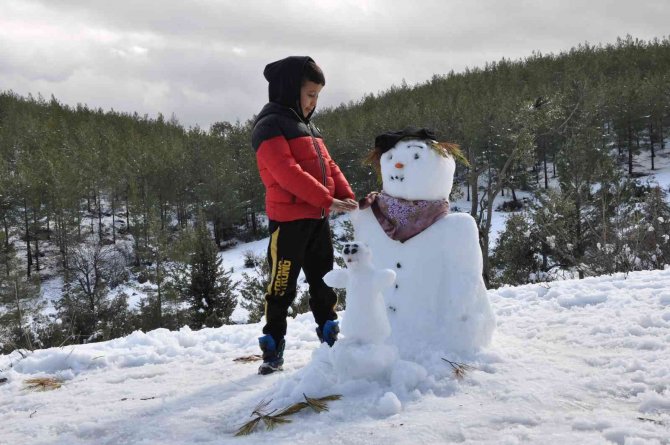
x=273 y=257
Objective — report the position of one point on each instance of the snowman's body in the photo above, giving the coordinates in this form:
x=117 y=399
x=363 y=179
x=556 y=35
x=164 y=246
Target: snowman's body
x=365 y=319
x=439 y=297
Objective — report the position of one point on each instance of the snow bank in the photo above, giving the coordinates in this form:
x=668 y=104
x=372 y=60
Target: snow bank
x=582 y=373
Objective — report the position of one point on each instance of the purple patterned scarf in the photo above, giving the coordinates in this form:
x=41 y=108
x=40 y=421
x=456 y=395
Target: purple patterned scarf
x=402 y=219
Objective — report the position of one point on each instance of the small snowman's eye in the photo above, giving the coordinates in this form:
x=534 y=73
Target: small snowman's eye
x=389 y=157
x=416 y=155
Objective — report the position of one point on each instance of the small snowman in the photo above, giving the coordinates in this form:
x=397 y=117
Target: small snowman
x=365 y=319
x=363 y=352
x=439 y=301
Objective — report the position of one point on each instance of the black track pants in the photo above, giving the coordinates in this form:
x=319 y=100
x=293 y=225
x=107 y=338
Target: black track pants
x=306 y=244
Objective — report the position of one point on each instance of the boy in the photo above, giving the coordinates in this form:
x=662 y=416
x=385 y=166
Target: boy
x=302 y=185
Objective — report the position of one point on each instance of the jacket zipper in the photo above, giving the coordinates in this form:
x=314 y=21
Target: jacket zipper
x=322 y=163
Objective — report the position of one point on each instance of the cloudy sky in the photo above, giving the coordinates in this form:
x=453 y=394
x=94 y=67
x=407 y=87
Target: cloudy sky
x=203 y=59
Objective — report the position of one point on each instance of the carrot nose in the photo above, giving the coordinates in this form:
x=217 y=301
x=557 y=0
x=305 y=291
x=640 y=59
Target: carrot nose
x=399 y=165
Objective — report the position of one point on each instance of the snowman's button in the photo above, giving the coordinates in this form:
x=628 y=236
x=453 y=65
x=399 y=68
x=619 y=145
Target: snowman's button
x=396 y=286
x=398 y=265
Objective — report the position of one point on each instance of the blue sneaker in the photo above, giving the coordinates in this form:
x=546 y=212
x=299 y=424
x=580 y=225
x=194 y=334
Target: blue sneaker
x=328 y=333
x=273 y=354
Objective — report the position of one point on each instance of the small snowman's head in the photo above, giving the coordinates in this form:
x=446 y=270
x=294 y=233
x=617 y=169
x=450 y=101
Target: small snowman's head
x=355 y=253
x=414 y=166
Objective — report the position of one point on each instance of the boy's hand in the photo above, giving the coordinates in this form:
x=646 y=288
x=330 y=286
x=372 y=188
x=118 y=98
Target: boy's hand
x=346 y=205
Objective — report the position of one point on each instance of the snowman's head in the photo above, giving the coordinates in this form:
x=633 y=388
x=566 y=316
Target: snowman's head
x=356 y=252
x=416 y=169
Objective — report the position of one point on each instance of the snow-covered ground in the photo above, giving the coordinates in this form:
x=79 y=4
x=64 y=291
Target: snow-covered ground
x=572 y=362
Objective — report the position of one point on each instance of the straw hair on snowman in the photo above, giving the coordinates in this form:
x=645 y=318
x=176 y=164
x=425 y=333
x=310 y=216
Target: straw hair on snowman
x=386 y=141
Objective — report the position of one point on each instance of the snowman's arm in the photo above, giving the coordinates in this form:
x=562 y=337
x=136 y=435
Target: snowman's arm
x=384 y=278
x=338 y=278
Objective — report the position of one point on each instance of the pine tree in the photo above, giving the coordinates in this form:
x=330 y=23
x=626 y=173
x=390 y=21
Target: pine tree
x=254 y=287
x=650 y=232
x=211 y=288
x=19 y=303
x=515 y=257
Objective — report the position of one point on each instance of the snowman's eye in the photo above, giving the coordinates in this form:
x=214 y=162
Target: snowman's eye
x=389 y=157
x=416 y=155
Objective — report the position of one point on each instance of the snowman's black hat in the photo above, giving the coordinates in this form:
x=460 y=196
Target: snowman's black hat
x=386 y=141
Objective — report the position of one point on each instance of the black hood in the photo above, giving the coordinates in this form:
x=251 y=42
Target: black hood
x=285 y=79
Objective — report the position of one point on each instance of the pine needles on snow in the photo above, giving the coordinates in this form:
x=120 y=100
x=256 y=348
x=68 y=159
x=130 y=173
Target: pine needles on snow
x=293 y=409
x=261 y=414
x=460 y=369
x=42 y=384
x=273 y=418
x=248 y=358
x=320 y=405
x=270 y=419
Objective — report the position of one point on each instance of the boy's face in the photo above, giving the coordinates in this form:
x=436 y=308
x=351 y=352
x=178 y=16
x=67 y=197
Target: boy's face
x=309 y=95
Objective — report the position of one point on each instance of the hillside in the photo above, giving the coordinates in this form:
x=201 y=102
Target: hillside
x=233 y=257
x=583 y=361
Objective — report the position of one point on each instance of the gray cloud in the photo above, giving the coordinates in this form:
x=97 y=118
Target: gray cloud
x=203 y=60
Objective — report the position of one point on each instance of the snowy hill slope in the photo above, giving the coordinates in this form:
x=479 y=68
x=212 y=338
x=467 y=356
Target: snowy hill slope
x=572 y=362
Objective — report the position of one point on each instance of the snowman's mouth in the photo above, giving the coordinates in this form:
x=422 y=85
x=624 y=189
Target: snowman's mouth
x=398 y=178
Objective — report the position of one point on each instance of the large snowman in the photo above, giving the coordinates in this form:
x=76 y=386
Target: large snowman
x=438 y=302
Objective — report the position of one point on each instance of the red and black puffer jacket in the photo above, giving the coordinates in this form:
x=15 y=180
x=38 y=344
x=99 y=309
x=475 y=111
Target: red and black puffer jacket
x=299 y=175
